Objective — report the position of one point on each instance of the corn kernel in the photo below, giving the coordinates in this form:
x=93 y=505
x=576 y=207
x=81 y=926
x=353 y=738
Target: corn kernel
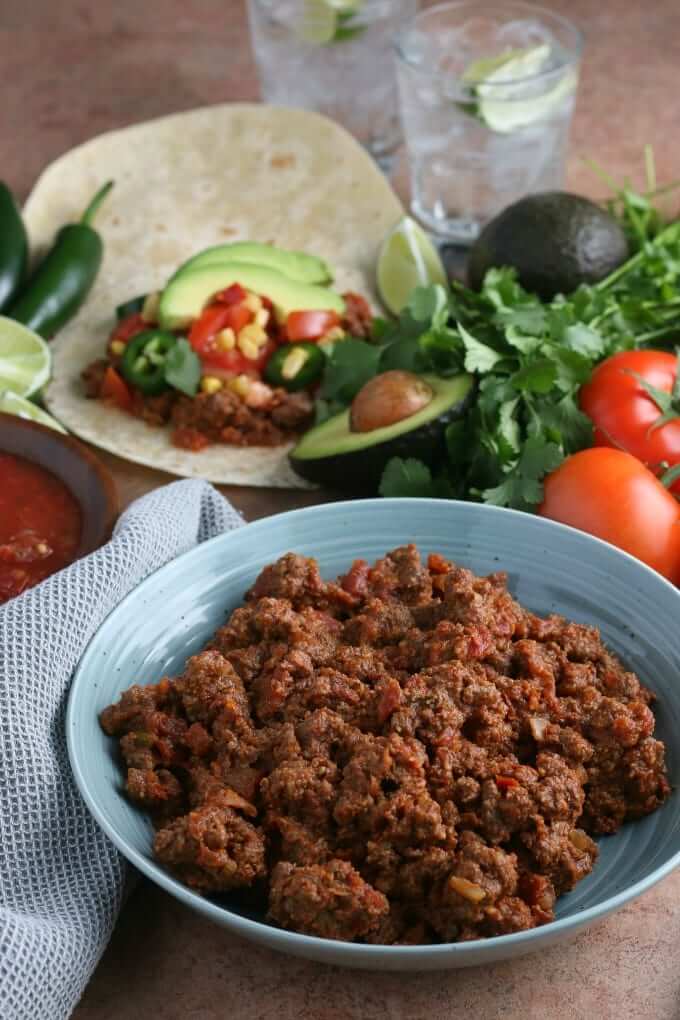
x=248 y=348
x=211 y=384
x=256 y=334
x=117 y=348
x=252 y=302
x=225 y=339
x=150 y=307
x=293 y=362
x=240 y=384
x=262 y=317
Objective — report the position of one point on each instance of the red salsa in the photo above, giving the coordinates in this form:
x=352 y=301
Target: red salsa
x=40 y=525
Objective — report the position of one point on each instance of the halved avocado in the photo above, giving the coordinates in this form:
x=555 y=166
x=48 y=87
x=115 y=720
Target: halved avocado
x=186 y=295
x=332 y=455
x=296 y=265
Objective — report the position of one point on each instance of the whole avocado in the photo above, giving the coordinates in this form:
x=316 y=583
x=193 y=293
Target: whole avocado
x=554 y=240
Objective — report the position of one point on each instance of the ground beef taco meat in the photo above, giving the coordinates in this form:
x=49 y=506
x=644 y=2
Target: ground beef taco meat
x=402 y=756
x=236 y=400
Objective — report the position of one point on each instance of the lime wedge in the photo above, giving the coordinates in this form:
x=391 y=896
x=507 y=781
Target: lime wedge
x=318 y=22
x=12 y=403
x=480 y=70
x=498 y=85
x=407 y=259
x=24 y=358
x=322 y=21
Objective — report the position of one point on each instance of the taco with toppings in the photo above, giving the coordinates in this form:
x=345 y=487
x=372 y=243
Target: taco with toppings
x=252 y=233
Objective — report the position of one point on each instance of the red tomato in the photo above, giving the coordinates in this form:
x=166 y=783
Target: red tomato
x=215 y=318
x=310 y=325
x=128 y=327
x=225 y=364
x=623 y=413
x=234 y=295
x=612 y=495
x=115 y=389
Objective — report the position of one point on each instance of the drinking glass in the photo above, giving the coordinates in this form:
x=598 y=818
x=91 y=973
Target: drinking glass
x=487 y=92
x=333 y=56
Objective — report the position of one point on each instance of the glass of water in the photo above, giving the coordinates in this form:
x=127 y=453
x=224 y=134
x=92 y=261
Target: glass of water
x=487 y=92
x=334 y=56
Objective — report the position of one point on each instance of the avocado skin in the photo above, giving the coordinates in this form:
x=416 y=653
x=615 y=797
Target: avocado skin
x=554 y=240
x=359 y=472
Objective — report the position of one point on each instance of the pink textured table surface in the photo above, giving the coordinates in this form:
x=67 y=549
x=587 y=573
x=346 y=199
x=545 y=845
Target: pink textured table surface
x=71 y=69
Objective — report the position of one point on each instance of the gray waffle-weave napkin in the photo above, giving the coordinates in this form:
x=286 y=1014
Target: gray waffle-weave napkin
x=61 y=881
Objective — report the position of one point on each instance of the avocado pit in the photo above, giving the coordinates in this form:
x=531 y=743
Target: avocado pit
x=387 y=399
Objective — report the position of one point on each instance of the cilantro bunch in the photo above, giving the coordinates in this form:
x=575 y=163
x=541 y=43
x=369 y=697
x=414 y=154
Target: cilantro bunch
x=529 y=359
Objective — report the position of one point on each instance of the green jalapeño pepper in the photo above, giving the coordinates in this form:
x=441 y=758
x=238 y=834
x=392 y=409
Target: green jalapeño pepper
x=144 y=362
x=13 y=246
x=62 y=281
x=295 y=366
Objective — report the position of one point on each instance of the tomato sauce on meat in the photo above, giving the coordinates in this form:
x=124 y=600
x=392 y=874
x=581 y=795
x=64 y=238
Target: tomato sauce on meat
x=402 y=756
x=40 y=525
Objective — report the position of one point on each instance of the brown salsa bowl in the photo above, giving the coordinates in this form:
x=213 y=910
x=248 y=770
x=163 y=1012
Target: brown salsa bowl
x=73 y=464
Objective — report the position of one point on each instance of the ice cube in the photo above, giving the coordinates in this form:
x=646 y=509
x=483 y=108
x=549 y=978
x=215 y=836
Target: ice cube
x=524 y=33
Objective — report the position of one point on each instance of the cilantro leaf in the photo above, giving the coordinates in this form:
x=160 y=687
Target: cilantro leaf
x=183 y=368
x=406 y=477
x=525 y=343
x=571 y=368
x=536 y=376
x=564 y=423
x=522 y=487
x=478 y=357
x=584 y=340
x=508 y=432
x=350 y=364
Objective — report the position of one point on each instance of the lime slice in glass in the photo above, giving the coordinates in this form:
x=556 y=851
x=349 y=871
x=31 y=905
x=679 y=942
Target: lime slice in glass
x=326 y=21
x=318 y=22
x=24 y=358
x=12 y=403
x=499 y=84
x=407 y=259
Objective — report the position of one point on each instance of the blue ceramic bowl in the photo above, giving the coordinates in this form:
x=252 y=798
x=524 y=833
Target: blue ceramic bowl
x=551 y=568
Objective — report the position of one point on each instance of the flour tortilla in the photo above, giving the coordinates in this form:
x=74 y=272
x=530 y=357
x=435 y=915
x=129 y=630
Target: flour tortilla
x=183 y=183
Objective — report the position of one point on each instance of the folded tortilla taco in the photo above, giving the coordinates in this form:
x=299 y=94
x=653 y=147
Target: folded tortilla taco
x=258 y=194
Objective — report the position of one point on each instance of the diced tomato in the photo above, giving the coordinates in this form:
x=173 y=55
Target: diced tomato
x=128 y=327
x=233 y=295
x=213 y=319
x=190 y=439
x=225 y=364
x=506 y=782
x=436 y=564
x=310 y=325
x=114 y=388
x=238 y=316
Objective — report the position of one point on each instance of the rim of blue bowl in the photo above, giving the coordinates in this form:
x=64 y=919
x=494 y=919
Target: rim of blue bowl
x=283 y=938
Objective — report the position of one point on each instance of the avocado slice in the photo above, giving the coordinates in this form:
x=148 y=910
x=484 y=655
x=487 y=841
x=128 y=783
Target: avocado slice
x=296 y=265
x=554 y=240
x=186 y=295
x=332 y=455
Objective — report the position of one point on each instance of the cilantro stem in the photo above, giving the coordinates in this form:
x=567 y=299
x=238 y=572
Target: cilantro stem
x=636 y=259
x=664 y=190
x=603 y=175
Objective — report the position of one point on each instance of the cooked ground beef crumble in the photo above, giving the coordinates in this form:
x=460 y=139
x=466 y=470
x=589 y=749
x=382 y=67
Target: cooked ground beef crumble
x=402 y=756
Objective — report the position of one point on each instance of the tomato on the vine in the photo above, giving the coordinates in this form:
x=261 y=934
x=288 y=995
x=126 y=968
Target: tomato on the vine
x=612 y=495
x=625 y=414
